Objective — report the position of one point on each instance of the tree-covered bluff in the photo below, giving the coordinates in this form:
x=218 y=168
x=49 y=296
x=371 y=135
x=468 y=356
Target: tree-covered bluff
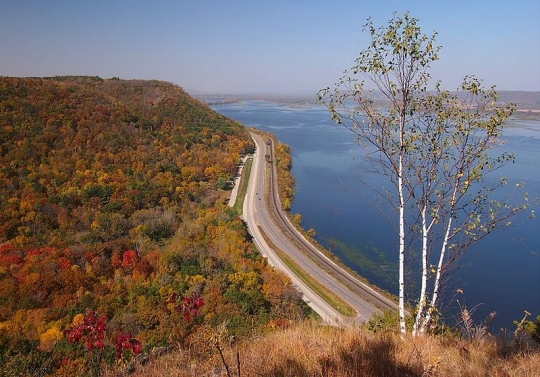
x=112 y=202
x=77 y=154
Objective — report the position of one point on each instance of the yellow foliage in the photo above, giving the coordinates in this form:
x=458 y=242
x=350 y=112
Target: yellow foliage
x=163 y=291
x=49 y=338
x=78 y=319
x=246 y=280
x=196 y=279
x=139 y=230
x=95 y=225
x=28 y=323
x=32 y=278
x=103 y=178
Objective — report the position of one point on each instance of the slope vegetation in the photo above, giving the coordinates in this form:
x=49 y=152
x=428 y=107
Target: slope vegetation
x=114 y=235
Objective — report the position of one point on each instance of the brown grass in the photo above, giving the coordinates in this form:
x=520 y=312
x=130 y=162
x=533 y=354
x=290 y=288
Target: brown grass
x=311 y=350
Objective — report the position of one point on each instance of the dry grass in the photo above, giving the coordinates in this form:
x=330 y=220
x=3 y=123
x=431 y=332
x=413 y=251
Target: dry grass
x=311 y=350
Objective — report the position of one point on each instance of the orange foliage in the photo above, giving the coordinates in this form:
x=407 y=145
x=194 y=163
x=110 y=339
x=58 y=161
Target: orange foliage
x=116 y=260
x=103 y=175
x=129 y=259
x=64 y=263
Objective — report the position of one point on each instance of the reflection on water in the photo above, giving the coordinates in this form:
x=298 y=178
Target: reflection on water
x=501 y=272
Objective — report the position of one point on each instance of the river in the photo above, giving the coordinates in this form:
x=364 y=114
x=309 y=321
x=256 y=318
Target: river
x=500 y=273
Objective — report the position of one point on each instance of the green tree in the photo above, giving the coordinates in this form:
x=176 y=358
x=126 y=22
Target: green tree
x=432 y=146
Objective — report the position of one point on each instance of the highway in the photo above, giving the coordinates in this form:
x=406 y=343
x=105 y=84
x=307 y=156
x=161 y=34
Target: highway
x=283 y=235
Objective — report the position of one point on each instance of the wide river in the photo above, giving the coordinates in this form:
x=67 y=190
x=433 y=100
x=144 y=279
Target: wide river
x=500 y=273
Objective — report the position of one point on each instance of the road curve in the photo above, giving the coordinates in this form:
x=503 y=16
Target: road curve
x=282 y=235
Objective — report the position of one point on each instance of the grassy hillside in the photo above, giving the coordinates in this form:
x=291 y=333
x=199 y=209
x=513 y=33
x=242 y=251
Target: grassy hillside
x=114 y=235
x=308 y=350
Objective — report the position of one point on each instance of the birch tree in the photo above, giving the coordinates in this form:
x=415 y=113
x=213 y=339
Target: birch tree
x=450 y=155
x=431 y=146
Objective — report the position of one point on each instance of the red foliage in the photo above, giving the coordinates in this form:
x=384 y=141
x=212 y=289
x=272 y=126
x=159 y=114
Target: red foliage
x=88 y=255
x=188 y=306
x=91 y=331
x=7 y=248
x=9 y=259
x=64 y=263
x=127 y=342
x=31 y=253
x=9 y=255
x=47 y=249
x=129 y=259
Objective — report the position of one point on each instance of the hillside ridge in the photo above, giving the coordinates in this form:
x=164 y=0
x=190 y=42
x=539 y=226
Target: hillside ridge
x=115 y=233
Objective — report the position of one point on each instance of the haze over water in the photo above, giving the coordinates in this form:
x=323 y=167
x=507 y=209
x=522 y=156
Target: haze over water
x=500 y=273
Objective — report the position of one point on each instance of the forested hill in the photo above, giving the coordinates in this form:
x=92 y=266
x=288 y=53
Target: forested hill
x=114 y=232
x=78 y=153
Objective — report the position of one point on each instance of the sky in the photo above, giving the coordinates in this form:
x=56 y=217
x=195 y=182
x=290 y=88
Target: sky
x=256 y=46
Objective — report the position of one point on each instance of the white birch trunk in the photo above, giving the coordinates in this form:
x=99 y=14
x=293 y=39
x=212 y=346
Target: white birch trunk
x=423 y=298
x=401 y=303
x=444 y=248
x=401 y=255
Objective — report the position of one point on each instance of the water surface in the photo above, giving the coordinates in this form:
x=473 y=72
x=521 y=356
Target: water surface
x=500 y=273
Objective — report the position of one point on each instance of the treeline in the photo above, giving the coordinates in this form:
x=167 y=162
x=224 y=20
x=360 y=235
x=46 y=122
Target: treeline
x=110 y=202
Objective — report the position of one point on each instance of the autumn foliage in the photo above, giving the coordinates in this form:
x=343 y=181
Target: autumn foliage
x=91 y=331
x=110 y=204
x=188 y=306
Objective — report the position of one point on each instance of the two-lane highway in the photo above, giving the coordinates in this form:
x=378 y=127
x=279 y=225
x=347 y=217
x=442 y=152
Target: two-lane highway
x=285 y=237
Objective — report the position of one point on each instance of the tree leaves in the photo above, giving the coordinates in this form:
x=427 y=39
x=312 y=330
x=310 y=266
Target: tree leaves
x=431 y=145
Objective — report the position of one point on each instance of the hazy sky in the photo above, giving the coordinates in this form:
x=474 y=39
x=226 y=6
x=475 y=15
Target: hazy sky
x=256 y=46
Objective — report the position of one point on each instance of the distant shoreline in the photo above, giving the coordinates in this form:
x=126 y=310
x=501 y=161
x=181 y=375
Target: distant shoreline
x=528 y=102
